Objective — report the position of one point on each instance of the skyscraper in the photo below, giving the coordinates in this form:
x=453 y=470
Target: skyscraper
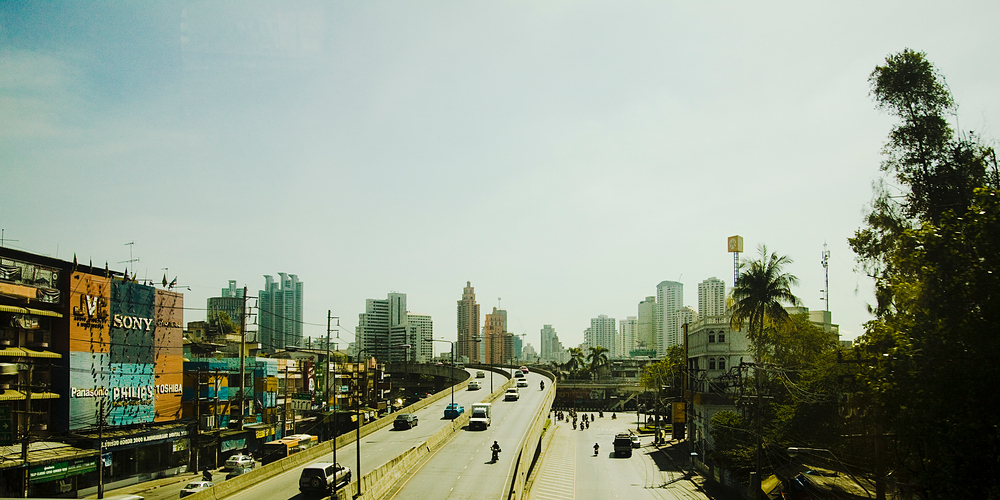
x=552 y=349
x=383 y=329
x=602 y=332
x=467 y=349
x=419 y=335
x=627 y=334
x=645 y=331
x=230 y=303
x=498 y=344
x=280 y=317
x=669 y=299
x=712 y=297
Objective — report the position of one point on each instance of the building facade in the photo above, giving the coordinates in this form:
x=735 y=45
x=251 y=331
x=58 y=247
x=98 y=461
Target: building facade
x=499 y=344
x=383 y=330
x=551 y=348
x=669 y=300
x=280 y=318
x=420 y=333
x=646 y=326
x=628 y=329
x=712 y=297
x=603 y=332
x=467 y=348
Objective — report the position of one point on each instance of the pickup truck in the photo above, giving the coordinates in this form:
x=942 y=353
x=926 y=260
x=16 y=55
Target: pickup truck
x=453 y=410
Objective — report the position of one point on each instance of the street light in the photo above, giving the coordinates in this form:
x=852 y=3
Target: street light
x=794 y=450
x=452 y=361
x=357 y=403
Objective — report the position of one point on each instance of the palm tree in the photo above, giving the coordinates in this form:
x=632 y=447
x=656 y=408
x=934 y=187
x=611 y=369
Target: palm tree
x=758 y=293
x=598 y=359
x=575 y=359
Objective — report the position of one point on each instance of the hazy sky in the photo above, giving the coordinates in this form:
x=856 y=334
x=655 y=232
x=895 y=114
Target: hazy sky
x=564 y=157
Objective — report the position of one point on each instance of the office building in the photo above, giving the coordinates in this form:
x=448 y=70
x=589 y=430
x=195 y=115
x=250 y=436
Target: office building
x=645 y=327
x=551 y=348
x=628 y=336
x=280 y=318
x=420 y=333
x=602 y=332
x=499 y=345
x=383 y=330
x=467 y=348
x=669 y=299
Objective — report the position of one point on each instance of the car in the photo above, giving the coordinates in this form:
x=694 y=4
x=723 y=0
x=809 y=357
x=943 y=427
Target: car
x=518 y=374
x=480 y=374
x=405 y=421
x=511 y=394
x=239 y=460
x=522 y=382
x=475 y=385
x=323 y=478
x=453 y=410
x=238 y=471
x=195 y=486
x=524 y=369
x=635 y=441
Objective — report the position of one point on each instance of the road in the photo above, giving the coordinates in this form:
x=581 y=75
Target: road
x=376 y=448
x=569 y=470
x=461 y=469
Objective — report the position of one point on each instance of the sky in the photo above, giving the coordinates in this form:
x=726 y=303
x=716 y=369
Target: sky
x=563 y=157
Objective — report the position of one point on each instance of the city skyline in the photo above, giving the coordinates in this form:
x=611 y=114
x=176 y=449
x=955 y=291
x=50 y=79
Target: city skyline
x=419 y=146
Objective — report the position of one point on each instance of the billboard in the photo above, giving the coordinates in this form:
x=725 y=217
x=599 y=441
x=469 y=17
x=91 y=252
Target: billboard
x=125 y=353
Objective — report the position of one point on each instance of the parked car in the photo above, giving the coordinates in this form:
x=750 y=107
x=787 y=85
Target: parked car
x=195 y=486
x=480 y=374
x=511 y=394
x=238 y=471
x=239 y=460
x=475 y=385
x=453 y=410
x=405 y=421
x=323 y=478
x=522 y=382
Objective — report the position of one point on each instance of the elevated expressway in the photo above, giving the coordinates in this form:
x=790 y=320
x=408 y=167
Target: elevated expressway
x=388 y=457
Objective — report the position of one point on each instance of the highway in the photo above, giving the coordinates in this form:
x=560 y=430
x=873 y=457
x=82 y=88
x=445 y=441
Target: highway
x=376 y=448
x=461 y=469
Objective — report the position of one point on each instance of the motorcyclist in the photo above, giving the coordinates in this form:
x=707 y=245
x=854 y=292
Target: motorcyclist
x=206 y=475
x=597 y=447
x=613 y=416
x=496 y=451
x=541 y=385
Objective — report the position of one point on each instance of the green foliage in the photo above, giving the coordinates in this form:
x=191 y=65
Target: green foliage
x=665 y=372
x=734 y=442
x=575 y=362
x=759 y=292
x=934 y=253
x=598 y=358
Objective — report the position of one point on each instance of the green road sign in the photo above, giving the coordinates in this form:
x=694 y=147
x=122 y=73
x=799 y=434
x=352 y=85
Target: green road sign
x=6 y=427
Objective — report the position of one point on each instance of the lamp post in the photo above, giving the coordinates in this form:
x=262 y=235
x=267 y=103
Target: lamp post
x=452 y=362
x=794 y=450
x=357 y=404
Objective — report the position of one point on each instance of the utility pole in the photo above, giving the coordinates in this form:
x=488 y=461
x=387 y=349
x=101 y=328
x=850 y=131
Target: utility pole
x=100 y=448
x=26 y=436
x=243 y=348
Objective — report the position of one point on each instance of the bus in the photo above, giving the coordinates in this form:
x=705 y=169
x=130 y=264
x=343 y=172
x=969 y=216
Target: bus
x=285 y=447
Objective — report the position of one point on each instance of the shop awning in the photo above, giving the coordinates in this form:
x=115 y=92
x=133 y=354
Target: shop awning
x=22 y=352
x=28 y=310
x=9 y=395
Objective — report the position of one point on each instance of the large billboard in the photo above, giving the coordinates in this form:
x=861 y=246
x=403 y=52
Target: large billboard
x=125 y=353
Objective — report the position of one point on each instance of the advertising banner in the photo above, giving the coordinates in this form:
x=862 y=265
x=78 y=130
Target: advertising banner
x=90 y=311
x=169 y=355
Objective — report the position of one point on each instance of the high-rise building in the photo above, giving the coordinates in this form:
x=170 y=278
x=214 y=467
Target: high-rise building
x=499 y=345
x=518 y=342
x=645 y=331
x=628 y=334
x=420 y=333
x=383 y=330
x=669 y=299
x=230 y=302
x=467 y=348
x=551 y=348
x=712 y=297
x=529 y=354
x=602 y=332
x=280 y=319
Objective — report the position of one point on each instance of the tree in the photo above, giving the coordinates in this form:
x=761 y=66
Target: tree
x=598 y=358
x=759 y=292
x=575 y=362
x=665 y=372
x=934 y=253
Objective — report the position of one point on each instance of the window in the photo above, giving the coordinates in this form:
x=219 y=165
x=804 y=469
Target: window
x=722 y=337
x=722 y=363
x=711 y=363
x=711 y=337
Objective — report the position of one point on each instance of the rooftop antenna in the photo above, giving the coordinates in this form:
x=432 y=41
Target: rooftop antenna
x=2 y=237
x=826 y=267
x=130 y=260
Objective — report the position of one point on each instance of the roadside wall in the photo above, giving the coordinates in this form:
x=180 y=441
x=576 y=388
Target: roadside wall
x=526 y=455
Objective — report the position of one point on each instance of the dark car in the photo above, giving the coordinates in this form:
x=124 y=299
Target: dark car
x=405 y=421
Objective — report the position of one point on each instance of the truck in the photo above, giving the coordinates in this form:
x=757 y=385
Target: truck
x=623 y=445
x=480 y=417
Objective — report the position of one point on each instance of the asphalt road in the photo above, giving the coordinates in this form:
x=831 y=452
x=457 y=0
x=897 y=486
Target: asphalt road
x=376 y=448
x=461 y=469
x=570 y=470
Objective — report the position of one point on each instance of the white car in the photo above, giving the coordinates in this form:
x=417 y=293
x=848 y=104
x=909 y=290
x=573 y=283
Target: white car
x=239 y=460
x=521 y=382
x=511 y=394
x=196 y=486
x=475 y=385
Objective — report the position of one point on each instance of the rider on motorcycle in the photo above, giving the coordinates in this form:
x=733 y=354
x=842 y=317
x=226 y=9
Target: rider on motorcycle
x=541 y=385
x=596 y=448
x=496 y=451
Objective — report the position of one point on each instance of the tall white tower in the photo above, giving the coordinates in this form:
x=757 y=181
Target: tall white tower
x=669 y=300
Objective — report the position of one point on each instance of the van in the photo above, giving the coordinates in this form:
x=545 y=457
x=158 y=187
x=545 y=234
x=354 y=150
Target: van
x=480 y=417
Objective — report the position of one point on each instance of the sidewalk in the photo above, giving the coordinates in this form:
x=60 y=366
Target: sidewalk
x=145 y=487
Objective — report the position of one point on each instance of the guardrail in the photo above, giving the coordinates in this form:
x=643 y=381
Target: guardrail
x=526 y=455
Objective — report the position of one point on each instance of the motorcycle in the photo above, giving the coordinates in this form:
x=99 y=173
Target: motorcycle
x=597 y=447
x=613 y=416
